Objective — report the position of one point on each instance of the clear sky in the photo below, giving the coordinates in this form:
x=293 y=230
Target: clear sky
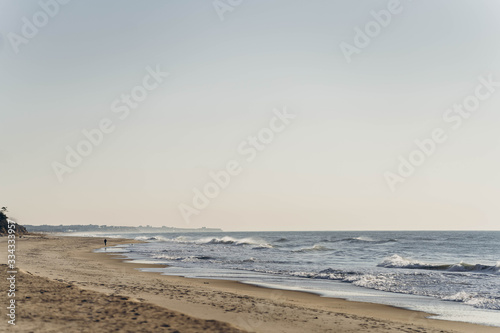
x=232 y=65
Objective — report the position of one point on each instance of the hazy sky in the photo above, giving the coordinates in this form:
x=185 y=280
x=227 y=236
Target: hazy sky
x=326 y=169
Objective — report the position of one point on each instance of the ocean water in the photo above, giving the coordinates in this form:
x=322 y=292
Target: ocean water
x=454 y=275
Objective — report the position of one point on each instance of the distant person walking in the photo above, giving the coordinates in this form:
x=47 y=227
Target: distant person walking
x=105 y=241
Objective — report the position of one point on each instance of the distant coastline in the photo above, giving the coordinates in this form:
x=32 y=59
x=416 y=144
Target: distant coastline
x=110 y=228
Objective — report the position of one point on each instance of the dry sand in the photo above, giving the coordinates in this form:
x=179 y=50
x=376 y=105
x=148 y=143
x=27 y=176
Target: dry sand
x=65 y=287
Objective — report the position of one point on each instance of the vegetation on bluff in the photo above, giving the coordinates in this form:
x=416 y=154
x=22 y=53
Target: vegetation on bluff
x=4 y=225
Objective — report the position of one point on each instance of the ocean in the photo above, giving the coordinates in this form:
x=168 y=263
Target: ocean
x=452 y=274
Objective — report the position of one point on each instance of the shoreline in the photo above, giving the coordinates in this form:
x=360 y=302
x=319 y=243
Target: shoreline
x=244 y=306
x=342 y=292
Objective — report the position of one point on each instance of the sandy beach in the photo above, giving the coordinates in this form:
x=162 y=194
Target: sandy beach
x=62 y=286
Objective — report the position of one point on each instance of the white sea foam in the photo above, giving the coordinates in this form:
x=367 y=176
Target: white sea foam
x=396 y=261
x=475 y=300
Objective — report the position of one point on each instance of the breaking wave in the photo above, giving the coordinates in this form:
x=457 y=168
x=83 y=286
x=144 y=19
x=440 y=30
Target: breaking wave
x=363 y=239
x=397 y=261
x=150 y=238
x=314 y=248
x=227 y=240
